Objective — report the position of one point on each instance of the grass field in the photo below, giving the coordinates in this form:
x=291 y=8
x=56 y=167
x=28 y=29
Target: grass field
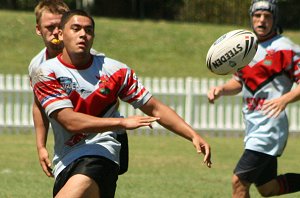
x=152 y=48
x=160 y=167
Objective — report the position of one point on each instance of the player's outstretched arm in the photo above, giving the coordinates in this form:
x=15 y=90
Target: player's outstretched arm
x=41 y=125
x=76 y=122
x=173 y=122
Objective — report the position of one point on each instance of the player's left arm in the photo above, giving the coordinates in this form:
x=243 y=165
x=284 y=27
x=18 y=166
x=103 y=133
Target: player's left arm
x=272 y=108
x=173 y=122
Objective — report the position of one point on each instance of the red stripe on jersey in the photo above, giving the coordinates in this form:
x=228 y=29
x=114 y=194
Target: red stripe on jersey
x=266 y=70
x=49 y=90
x=137 y=96
x=132 y=88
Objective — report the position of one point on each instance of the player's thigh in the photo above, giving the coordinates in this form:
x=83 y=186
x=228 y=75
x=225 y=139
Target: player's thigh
x=79 y=186
x=256 y=167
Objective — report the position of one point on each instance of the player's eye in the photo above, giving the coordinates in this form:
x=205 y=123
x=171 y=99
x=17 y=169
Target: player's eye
x=257 y=15
x=89 y=30
x=51 y=28
x=75 y=28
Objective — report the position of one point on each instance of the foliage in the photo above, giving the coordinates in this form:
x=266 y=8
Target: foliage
x=209 y=11
x=219 y=12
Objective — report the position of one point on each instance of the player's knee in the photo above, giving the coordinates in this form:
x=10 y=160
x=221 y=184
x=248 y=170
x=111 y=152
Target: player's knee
x=235 y=181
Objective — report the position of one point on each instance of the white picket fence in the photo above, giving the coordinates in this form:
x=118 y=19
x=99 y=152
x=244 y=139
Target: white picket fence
x=187 y=96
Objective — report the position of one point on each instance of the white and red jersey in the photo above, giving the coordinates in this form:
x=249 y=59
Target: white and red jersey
x=93 y=90
x=37 y=61
x=270 y=75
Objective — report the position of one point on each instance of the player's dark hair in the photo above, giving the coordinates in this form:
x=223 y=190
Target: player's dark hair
x=68 y=15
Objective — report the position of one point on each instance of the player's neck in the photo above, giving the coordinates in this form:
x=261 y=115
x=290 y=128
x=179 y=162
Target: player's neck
x=267 y=37
x=80 y=61
x=52 y=53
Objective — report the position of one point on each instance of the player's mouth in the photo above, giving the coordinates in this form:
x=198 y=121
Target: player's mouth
x=81 y=44
x=55 y=41
x=262 y=27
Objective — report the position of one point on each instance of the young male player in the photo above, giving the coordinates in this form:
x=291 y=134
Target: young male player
x=48 y=15
x=266 y=88
x=79 y=92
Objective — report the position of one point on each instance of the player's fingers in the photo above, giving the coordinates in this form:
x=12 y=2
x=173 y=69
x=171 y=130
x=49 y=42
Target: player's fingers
x=210 y=97
x=198 y=148
x=48 y=162
x=45 y=168
x=207 y=157
x=149 y=119
x=266 y=109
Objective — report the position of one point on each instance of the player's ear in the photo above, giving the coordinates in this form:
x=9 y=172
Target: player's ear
x=60 y=35
x=38 y=30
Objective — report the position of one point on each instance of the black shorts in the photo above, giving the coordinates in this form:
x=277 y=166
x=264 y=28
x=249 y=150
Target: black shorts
x=255 y=167
x=124 y=154
x=102 y=170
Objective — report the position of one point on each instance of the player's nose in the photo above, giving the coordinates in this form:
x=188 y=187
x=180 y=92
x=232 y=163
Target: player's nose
x=55 y=30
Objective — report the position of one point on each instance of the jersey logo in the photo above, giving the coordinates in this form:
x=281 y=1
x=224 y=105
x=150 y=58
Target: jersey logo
x=255 y=103
x=268 y=62
x=67 y=84
x=103 y=85
x=269 y=57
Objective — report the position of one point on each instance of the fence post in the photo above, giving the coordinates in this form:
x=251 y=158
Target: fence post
x=17 y=101
x=9 y=100
x=188 y=101
x=204 y=105
x=2 y=108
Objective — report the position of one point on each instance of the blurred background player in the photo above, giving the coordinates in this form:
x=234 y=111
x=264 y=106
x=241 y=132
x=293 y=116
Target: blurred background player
x=84 y=116
x=266 y=85
x=48 y=15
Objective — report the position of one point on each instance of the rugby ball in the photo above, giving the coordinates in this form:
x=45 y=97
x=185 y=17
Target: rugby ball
x=231 y=52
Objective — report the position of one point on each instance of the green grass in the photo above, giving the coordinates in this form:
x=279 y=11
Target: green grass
x=160 y=167
x=152 y=48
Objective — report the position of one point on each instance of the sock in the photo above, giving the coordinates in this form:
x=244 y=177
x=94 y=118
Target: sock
x=288 y=183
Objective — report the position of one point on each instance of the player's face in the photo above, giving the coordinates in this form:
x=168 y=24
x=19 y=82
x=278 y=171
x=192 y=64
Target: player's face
x=78 y=35
x=262 y=22
x=48 y=29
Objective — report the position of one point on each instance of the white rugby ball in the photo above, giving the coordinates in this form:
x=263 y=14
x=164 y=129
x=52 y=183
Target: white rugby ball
x=231 y=52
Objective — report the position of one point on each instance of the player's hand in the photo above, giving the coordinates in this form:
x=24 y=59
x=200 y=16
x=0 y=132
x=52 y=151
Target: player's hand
x=135 y=122
x=272 y=108
x=204 y=148
x=44 y=161
x=214 y=93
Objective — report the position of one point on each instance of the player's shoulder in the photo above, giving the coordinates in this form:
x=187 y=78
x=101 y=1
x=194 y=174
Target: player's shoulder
x=37 y=60
x=284 y=43
x=110 y=62
x=51 y=63
x=96 y=53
